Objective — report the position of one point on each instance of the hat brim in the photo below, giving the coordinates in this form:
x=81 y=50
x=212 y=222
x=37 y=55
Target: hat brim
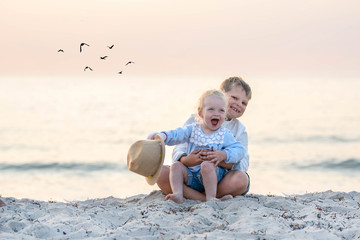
x=152 y=180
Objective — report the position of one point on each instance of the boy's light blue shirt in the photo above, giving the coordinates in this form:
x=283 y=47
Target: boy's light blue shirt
x=234 y=149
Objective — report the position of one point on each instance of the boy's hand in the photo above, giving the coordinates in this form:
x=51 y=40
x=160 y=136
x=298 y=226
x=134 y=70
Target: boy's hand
x=193 y=159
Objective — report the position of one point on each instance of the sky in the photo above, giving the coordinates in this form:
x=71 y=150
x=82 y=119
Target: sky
x=279 y=38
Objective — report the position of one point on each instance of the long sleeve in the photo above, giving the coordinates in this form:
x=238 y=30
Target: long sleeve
x=180 y=149
x=244 y=162
x=239 y=131
x=234 y=150
x=179 y=135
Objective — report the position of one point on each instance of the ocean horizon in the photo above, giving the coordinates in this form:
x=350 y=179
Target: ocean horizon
x=66 y=138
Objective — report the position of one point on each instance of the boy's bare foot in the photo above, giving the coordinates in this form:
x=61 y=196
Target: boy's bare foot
x=226 y=197
x=213 y=199
x=178 y=198
x=2 y=203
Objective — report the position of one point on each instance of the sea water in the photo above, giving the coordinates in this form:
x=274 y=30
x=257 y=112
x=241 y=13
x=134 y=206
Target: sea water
x=66 y=138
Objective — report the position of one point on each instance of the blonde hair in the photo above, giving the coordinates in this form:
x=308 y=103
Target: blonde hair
x=232 y=82
x=205 y=95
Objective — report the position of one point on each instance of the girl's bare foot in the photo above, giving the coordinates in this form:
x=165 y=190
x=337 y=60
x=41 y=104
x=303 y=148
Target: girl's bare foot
x=226 y=197
x=178 y=198
x=2 y=203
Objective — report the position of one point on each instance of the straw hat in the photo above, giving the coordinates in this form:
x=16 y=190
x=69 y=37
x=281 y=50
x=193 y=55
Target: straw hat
x=146 y=157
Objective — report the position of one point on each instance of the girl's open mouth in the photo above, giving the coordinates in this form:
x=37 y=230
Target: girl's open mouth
x=214 y=122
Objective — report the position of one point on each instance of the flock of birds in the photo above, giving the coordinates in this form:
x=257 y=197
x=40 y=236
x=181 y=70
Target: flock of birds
x=101 y=58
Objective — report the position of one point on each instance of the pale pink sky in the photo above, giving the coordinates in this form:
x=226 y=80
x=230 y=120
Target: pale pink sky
x=172 y=37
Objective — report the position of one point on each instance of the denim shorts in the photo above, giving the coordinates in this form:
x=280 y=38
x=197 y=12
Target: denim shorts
x=195 y=180
x=248 y=186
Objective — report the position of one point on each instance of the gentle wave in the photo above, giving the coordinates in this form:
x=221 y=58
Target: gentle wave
x=101 y=166
x=332 y=164
x=324 y=139
x=22 y=147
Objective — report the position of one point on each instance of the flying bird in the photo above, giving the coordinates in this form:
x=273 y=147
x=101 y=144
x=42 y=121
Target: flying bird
x=110 y=47
x=103 y=58
x=60 y=50
x=128 y=63
x=83 y=44
x=120 y=72
x=87 y=67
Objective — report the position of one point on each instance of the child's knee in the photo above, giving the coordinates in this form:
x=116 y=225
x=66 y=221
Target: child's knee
x=177 y=166
x=207 y=167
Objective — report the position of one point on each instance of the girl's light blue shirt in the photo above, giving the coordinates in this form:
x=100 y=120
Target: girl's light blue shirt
x=237 y=129
x=222 y=139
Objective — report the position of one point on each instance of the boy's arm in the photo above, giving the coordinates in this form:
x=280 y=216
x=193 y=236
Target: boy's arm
x=179 y=151
x=238 y=130
x=243 y=164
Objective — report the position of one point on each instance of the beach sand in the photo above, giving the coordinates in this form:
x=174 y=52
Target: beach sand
x=325 y=215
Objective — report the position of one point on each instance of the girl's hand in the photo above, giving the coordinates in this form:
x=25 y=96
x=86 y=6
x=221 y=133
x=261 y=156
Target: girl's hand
x=216 y=156
x=209 y=157
x=152 y=135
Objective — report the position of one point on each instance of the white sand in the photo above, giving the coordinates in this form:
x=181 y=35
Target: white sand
x=327 y=215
